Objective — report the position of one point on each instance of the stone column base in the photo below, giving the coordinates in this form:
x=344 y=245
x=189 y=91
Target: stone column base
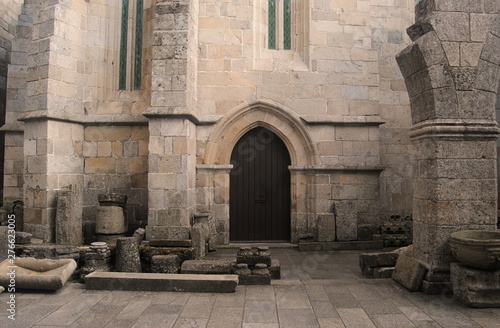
x=474 y=287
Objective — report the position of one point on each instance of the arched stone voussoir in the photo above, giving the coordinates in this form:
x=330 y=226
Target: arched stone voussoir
x=284 y=123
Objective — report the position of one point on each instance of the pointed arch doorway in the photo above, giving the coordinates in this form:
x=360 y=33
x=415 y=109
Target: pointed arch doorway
x=259 y=206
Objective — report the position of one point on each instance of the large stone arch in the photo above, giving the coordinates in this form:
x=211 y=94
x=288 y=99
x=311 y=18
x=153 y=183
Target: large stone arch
x=284 y=123
x=454 y=127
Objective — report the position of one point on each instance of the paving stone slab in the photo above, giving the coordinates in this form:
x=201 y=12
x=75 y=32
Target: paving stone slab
x=162 y=282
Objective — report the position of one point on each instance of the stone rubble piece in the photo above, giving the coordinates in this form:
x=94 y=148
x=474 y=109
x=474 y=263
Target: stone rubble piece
x=170 y=243
x=475 y=287
x=96 y=258
x=255 y=266
x=165 y=264
x=409 y=272
x=200 y=234
x=200 y=266
x=195 y=283
x=147 y=253
x=370 y=262
x=259 y=276
x=139 y=234
x=127 y=255
x=46 y=251
x=23 y=238
x=275 y=269
x=253 y=256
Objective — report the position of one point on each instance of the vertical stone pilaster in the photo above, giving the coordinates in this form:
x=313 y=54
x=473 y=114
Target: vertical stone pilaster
x=172 y=125
x=452 y=72
x=53 y=137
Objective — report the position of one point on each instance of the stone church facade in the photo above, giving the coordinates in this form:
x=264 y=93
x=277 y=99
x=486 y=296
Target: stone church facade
x=156 y=99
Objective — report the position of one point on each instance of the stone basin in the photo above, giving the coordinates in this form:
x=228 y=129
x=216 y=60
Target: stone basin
x=478 y=249
x=31 y=273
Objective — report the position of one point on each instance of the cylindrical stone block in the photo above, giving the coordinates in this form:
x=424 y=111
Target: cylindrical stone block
x=127 y=255
x=110 y=220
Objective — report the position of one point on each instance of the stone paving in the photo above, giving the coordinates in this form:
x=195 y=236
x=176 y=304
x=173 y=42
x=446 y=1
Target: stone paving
x=318 y=289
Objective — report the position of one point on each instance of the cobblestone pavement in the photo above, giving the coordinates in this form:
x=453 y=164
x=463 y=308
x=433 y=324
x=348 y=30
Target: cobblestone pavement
x=318 y=289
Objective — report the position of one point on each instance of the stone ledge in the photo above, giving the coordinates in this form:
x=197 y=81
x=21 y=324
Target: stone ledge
x=196 y=283
x=339 y=245
x=342 y=120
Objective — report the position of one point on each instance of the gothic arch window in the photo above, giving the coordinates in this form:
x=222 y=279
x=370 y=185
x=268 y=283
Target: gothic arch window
x=130 y=64
x=279 y=24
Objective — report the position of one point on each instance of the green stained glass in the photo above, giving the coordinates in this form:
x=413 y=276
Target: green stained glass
x=272 y=24
x=122 y=80
x=138 y=46
x=287 y=24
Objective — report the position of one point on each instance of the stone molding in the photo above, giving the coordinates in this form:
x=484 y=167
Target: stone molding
x=342 y=120
x=165 y=112
x=336 y=169
x=216 y=168
x=452 y=128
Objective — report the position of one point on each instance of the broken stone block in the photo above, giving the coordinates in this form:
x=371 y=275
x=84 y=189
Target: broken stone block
x=408 y=271
x=4 y=243
x=97 y=258
x=369 y=262
x=474 y=287
x=365 y=232
x=170 y=243
x=326 y=227
x=200 y=233
x=242 y=269
x=253 y=256
x=23 y=238
x=219 y=266
x=275 y=269
x=383 y=272
x=127 y=255
x=260 y=276
x=44 y=251
x=69 y=228
x=165 y=264
x=139 y=234
x=346 y=221
x=147 y=253
x=112 y=199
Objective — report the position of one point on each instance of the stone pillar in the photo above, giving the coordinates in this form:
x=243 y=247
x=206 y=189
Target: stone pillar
x=127 y=255
x=172 y=124
x=452 y=72
x=69 y=218
x=53 y=115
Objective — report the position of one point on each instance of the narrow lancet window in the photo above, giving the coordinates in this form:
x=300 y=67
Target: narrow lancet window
x=122 y=80
x=279 y=28
x=138 y=46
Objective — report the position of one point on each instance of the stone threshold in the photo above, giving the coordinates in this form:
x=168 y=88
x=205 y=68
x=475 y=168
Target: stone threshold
x=195 y=283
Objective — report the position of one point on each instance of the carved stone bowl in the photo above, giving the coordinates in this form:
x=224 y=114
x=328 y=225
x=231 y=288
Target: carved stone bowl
x=478 y=249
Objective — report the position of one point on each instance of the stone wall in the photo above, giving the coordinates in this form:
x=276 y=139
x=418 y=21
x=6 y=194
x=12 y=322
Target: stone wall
x=12 y=156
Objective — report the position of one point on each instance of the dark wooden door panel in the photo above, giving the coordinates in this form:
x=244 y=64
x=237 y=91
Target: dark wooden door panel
x=260 y=188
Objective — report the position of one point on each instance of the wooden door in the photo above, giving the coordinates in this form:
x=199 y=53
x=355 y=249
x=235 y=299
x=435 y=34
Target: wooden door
x=260 y=188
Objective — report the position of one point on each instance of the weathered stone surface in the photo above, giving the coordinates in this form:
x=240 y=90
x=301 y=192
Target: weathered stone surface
x=383 y=272
x=147 y=253
x=44 y=251
x=162 y=282
x=346 y=221
x=110 y=220
x=69 y=228
x=4 y=242
x=200 y=234
x=218 y=266
x=23 y=238
x=170 y=243
x=275 y=269
x=44 y=274
x=365 y=232
x=474 y=287
x=139 y=234
x=253 y=256
x=97 y=258
x=127 y=255
x=408 y=271
x=371 y=262
x=112 y=199
x=346 y=245
x=326 y=227
x=165 y=264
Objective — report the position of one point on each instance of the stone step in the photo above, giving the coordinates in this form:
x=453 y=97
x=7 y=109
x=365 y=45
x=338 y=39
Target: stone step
x=201 y=283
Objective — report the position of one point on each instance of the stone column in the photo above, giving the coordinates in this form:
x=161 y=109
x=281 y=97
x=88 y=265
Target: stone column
x=452 y=72
x=172 y=124
x=53 y=128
